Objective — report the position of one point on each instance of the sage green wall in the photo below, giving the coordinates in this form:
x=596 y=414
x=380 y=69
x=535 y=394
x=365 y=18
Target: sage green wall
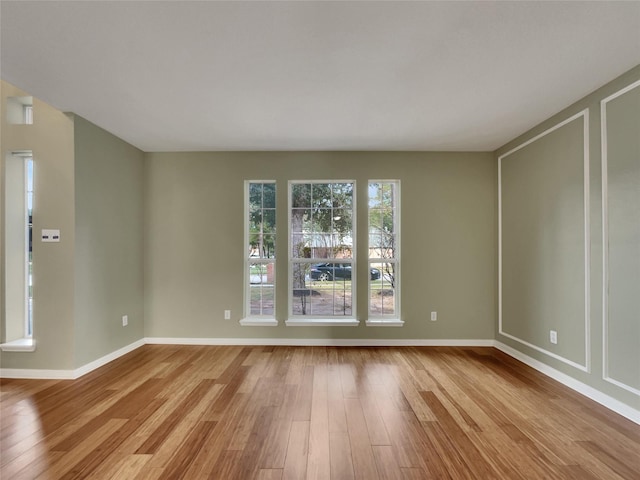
x=108 y=231
x=88 y=184
x=622 y=324
x=51 y=140
x=550 y=252
x=194 y=247
x=543 y=247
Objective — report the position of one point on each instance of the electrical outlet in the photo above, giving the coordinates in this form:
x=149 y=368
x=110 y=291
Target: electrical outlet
x=434 y=316
x=227 y=314
x=553 y=337
x=125 y=320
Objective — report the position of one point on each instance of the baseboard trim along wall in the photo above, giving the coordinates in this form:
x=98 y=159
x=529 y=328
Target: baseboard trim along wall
x=582 y=388
x=107 y=358
x=322 y=342
x=43 y=374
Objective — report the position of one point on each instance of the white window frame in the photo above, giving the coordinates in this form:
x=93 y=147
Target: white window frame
x=325 y=320
x=249 y=318
x=394 y=319
x=19 y=110
x=28 y=321
x=27 y=342
x=28 y=114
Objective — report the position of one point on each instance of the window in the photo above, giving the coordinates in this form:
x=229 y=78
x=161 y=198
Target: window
x=384 y=249
x=321 y=258
x=18 y=254
x=322 y=250
x=28 y=114
x=261 y=251
x=20 y=110
x=29 y=247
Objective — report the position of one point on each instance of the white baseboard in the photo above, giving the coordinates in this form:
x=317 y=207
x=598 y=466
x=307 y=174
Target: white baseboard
x=323 y=342
x=586 y=390
x=43 y=374
x=78 y=372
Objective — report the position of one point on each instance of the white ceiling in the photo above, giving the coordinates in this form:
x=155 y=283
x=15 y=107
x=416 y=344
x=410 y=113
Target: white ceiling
x=169 y=76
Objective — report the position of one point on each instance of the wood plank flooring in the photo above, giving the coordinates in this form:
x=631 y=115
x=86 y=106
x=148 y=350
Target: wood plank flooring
x=203 y=412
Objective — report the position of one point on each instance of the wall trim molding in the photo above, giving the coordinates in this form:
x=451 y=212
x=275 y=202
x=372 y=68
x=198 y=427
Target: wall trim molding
x=323 y=342
x=45 y=374
x=582 y=388
x=605 y=238
x=586 y=367
x=89 y=367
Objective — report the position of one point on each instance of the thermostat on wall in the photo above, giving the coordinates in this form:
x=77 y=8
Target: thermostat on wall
x=50 y=235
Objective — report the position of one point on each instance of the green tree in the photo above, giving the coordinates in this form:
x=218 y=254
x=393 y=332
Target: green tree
x=262 y=218
x=321 y=213
x=382 y=226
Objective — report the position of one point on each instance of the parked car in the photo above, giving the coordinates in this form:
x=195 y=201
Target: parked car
x=330 y=271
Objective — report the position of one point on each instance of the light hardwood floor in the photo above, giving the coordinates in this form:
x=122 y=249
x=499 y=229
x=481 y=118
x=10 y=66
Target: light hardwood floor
x=311 y=412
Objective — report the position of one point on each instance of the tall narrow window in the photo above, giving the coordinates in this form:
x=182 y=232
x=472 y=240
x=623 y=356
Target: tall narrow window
x=29 y=246
x=384 y=249
x=322 y=249
x=18 y=248
x=261 y=249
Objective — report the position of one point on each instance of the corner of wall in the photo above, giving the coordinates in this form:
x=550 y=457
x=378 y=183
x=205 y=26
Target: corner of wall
x=590 y=370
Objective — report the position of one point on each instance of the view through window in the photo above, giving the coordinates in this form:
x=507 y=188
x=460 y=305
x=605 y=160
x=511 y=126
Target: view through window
x=383 y=248
x=29 y=245
x=322 y=249
x=261 y=231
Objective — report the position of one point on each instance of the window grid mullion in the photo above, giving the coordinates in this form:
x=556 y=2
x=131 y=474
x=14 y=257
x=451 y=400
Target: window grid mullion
x=315 y=237
x=256 y=294
x=381 y=244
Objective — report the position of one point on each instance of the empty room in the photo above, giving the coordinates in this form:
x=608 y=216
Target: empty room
x=320 y=240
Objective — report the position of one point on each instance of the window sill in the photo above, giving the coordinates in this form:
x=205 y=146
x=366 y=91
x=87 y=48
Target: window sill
x=324 y=322
x=20 y=345
x=385 y=322
x=259 y=322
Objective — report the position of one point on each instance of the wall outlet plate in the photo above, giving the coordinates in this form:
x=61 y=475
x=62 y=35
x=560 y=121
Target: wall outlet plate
x=227 y=314
x=49 y=235
x=125 y=320
x=553 y=337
